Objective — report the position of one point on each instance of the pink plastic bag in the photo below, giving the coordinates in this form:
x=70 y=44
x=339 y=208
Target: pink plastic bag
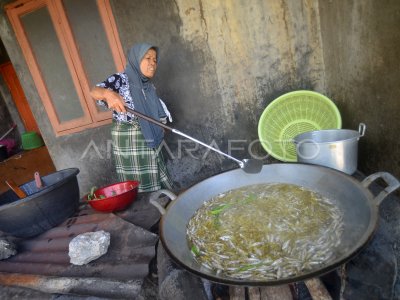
x=10 y=145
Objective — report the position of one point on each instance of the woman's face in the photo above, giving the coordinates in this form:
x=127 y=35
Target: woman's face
x=148 y=65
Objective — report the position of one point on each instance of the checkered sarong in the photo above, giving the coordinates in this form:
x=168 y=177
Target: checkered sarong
x=134 y=160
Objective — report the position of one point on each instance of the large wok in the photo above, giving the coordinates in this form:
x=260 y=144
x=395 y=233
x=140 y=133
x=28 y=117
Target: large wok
x=358 y=204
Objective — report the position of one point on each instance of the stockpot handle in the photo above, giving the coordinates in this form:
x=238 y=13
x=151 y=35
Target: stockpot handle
x=391 y=181
x=154 y=196
x=361 y=129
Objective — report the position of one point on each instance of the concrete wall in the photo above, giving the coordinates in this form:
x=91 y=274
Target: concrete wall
x=361 y=42
x=222 y=62
x=5 y=116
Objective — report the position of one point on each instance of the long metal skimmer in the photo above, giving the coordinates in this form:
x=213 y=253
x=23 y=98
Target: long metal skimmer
x=249 y=165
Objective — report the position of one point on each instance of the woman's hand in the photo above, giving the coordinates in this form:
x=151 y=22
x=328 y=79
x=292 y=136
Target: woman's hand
x=113 y=99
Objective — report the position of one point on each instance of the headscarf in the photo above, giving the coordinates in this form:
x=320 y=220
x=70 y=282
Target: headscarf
x=144 y=96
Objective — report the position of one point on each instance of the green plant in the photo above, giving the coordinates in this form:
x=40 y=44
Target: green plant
x=93 y=196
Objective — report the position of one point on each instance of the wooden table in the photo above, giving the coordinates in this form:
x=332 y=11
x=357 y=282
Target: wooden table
x=21 y=167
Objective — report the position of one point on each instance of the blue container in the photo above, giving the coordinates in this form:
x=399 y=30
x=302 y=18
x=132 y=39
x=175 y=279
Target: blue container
x=43 y=208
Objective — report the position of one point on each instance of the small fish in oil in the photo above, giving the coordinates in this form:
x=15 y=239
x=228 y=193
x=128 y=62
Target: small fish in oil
x=266 y=231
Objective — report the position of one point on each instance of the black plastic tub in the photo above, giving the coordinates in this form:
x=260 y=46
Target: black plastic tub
x=43 y=208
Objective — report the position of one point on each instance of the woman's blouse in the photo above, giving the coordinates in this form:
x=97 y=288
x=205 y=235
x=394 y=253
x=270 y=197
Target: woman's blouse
x=119 y=83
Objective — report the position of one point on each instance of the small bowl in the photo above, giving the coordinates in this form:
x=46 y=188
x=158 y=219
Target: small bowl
x=118 y=196
x=31 y=140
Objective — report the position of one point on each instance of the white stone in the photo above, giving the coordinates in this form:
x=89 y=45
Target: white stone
x=88 y=246
x=7 y=249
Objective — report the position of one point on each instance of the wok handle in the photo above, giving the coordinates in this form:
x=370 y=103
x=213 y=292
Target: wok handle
x=391 y=181
x=154 y=196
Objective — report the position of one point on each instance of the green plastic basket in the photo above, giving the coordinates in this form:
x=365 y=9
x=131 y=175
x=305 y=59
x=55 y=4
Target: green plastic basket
x=292 y=114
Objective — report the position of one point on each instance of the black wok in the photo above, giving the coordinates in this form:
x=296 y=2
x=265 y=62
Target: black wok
x=358 y=204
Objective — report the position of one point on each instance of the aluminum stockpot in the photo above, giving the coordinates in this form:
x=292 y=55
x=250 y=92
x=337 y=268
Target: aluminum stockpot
x=333 y=148
x=359 y=207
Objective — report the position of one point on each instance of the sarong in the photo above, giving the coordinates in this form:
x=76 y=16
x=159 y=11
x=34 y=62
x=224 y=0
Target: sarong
x=134 y=160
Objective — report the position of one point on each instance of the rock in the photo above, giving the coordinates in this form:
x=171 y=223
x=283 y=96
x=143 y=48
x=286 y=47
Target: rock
x=176 y=283
x=373 y=272
x=88 y=246
x=7 y=249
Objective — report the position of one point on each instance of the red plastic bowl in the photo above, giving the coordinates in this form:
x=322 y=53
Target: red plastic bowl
x=118 y=196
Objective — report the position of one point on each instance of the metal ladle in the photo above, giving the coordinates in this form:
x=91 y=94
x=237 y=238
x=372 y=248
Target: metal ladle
x=248 y=165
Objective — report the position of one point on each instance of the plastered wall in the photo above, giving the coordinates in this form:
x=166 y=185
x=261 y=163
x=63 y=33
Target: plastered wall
x=221 y=63
x=361 y=42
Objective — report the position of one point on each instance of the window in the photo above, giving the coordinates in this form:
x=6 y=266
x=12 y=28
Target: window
x=69 y=45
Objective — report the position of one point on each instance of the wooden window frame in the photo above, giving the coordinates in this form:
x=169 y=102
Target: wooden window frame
x=91 y=116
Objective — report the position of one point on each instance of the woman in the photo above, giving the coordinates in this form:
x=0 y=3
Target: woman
x=137 y=143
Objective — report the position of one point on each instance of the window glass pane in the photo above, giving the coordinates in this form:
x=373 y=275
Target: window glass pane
x=53 y=67
x=89 y=34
